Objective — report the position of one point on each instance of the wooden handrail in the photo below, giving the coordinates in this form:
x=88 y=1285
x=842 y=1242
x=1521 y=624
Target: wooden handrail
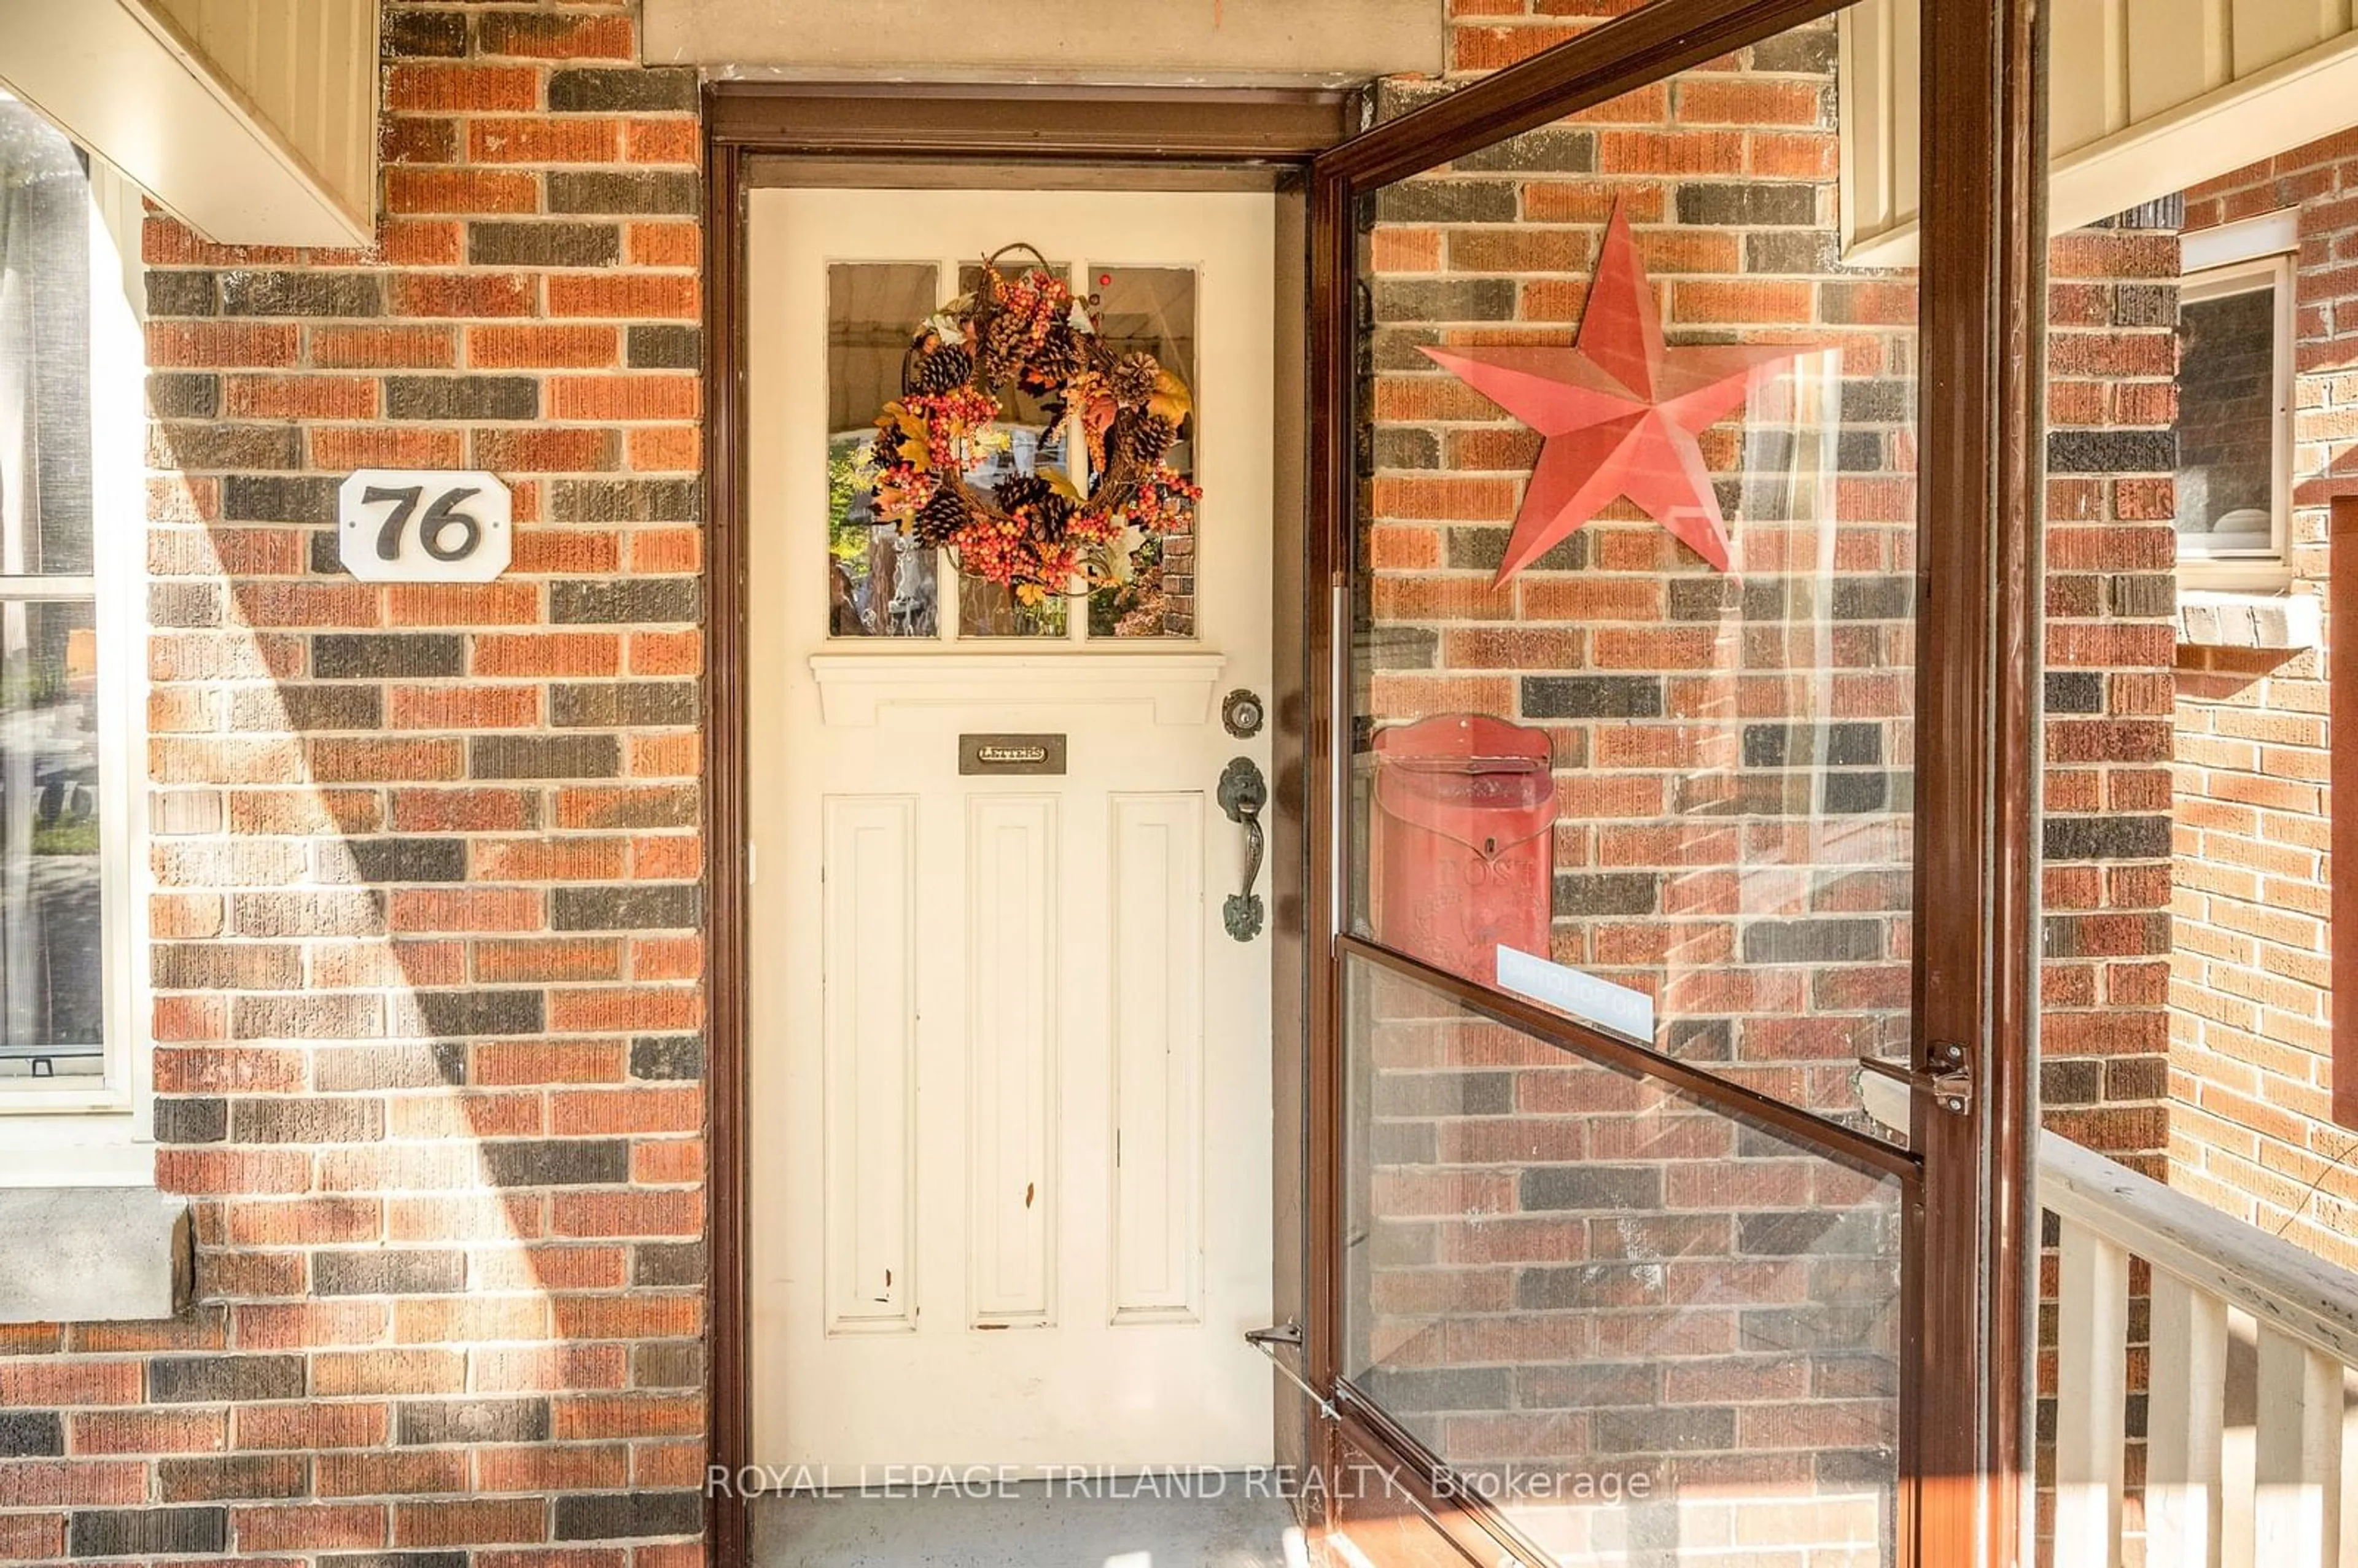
x=2283 y=1286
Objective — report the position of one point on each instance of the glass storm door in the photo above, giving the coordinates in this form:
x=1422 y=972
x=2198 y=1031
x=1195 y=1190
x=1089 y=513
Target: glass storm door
x=1009 y=1064
x=1677 y=938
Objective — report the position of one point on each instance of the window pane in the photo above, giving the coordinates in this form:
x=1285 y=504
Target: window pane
x=881 y=583
x=51 y=946
x=45 y=349
x=1646 y=1329
x=1634 y=696
x=1152 y=311
x=2227 y=423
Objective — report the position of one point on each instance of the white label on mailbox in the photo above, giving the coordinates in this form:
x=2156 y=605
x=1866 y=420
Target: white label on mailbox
x=417 y=526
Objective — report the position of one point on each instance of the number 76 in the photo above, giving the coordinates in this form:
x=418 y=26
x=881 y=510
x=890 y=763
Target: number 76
x=432 y=528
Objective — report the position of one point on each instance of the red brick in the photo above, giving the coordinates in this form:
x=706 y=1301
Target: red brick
x=460 y=190
x=446 y=89
x=384 y=348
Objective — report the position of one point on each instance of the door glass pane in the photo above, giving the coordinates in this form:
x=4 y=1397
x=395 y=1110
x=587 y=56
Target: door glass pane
x=1152 y=311
x=51 y=949
x=1650 y=1331
x=1029 y=436
x=1634 y=635
x=880 y=582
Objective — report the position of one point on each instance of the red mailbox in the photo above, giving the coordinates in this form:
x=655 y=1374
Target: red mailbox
x=1460 y=860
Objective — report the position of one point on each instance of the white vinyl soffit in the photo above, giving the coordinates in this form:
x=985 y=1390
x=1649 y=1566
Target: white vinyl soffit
x=256 y=125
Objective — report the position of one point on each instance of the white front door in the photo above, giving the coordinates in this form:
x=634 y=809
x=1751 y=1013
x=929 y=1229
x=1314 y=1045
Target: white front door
x=1010 y=1072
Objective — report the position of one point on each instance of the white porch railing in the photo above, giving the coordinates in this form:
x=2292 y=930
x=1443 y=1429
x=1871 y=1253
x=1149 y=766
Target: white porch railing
x=2274 y=1498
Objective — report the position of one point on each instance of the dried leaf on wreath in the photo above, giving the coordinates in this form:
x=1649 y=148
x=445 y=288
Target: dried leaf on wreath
x=1061 y=482
x=1170 y=403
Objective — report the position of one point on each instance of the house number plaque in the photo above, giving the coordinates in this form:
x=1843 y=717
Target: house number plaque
x=1010 y=753
x=416 y=526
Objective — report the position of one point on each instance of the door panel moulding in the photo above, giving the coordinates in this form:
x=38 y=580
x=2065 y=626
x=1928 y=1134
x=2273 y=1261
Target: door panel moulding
x=2148 y=99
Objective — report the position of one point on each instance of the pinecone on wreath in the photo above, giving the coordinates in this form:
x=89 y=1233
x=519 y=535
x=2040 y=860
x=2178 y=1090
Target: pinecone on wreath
x=1055 y=361
x=938 y=520
x=1003 y=342
x=1135 y=379
x=1150 y=438
x=944 y=369
x=1017 y=492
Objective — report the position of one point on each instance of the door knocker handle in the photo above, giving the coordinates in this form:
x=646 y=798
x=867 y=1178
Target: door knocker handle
x=1243 y=792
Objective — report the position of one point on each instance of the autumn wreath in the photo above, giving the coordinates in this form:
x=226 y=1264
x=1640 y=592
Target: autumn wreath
x=1040 y=534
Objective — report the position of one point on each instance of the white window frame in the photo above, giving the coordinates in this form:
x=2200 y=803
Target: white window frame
x=2241 y=258
x=103 y=1135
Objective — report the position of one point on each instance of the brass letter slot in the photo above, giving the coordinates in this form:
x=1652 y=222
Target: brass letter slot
x=1010 y=753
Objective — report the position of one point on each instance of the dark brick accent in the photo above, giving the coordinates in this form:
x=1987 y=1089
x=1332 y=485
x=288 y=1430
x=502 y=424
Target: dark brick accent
x=1442 y=1388
x=1810 y=1233
x=1800 y=745
x=306 y=1119
x=1588 y=1287
x=2112 y=451
x=1800 y=253
x=431 y=1422
x=376 y=655
x=197 y=445
x=461 y=397
x=233 y=1477
x=657 y=906
x=2108 y=838
x=476 y=1011
x=1446 y=300
x=667 y=1364
x=1545 y=151
x=544 y=245
x=191 y=1120
x=1592 y=697
x=2142 y=596
x=1874 y=599
x=666 y=348
x=559 y=1163
x=1427 y=201
x=610 y=704
x=1604 y=893
x=627 y=500
x=308 y=707
x=624 y=1516
x=225 y=1380
x=2075 y=691
x=276 y=498
x=1406 y=447
x=1749 y=205
x=140 y=1532
x=1812 y=941
x=31 y=1434
x=649 y=601
x=544 y=756
x=625 y=91
x=380 y=1273
x=668 y=1264
x=1593 y=1187
x=436 y=860
x=183 y=294
x=580 y=192
x=183 y=395
x=342 y=294
x=667 y=1057
x=424 y=34
x=1669 y=1430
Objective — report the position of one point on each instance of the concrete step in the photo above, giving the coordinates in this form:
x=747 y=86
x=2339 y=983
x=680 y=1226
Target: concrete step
x=1027 y=1525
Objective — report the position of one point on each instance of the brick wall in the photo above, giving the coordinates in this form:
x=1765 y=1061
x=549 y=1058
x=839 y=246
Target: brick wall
x=2251 y=1006
x=426 y=947
x=2111 y=604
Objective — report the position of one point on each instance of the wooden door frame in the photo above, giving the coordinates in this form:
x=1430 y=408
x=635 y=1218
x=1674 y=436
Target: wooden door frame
x=1969 y=1225
x=769 y=134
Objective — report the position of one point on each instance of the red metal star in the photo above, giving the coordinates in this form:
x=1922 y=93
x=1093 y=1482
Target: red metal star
x=1620 y=412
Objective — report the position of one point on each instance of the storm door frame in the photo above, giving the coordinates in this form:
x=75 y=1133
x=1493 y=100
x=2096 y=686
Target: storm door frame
x=1970 y=1252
